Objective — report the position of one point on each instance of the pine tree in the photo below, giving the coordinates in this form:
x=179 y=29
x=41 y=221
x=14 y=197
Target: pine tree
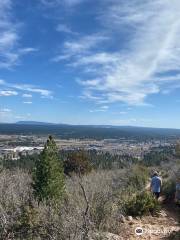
x=48 y=176
x=177 y=149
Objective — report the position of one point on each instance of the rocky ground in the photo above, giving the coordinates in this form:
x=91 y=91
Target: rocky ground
x=164 y=226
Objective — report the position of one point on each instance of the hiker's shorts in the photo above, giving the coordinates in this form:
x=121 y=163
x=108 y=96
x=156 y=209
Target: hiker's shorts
x=177 y=202
x=156 y=194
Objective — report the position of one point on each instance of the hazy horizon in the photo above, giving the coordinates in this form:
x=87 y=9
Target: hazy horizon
x=34 y=122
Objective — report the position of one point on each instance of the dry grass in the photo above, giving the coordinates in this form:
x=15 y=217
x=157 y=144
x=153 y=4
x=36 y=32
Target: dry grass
x=89 y=205
x=92 y=203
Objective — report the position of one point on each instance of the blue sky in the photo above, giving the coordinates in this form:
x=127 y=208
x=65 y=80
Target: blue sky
x=90 y=62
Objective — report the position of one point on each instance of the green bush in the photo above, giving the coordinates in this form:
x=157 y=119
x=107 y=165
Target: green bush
x=141 y=204
x=168 y=189
x=164 y=174
x=138 y=177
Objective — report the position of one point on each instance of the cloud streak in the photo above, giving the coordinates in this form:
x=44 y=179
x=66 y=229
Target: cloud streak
x=33 y=89
x=55 y=3
x=27 y=102
x=64 y=29
x=27 y=95
x=144 y=65
x=14 y=88
x=79 y=47
x=5 y=113
x=7 y=93
x=10 y=51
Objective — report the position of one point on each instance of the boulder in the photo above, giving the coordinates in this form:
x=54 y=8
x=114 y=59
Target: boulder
x=122 y=219
x=130 y=218
x=162 y=214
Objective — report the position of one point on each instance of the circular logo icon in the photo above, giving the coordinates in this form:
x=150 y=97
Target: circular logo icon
x=139 y=231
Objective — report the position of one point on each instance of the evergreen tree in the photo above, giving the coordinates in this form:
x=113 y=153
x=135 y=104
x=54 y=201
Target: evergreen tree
x=177 y=149
x=48 y=176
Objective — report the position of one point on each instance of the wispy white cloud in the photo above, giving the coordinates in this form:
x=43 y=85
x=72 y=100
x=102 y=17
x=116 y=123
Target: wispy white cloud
x=5 y=114
x=7 y=93
x=2 y=82
x=27 y=102
x=5 y=110
x=22 y=117
x=44 y=93
x=55 y=3
x=96 y=110
x=27 y=95
x=64 y=28
x=80 y=46
x=120 y=113
x=10 y=50
x=105 y=60
x=88 y=95
x=105 y=107
x=73 y=2
x=33 y=89
x=23 y=51
x=144 y=65
x=8 y=115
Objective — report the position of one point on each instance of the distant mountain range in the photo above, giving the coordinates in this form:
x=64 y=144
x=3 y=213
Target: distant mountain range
x=87 y=131
x=34 y=123
x=38 y=123
x=89 y=125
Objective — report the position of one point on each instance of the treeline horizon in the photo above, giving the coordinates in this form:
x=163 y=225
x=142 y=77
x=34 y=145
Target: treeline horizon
x=90 y=132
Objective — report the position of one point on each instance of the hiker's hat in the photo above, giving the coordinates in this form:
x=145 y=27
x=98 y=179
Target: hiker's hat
x=155 y=173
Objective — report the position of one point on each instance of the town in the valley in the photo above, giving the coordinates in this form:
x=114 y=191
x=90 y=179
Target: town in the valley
x=13 y=147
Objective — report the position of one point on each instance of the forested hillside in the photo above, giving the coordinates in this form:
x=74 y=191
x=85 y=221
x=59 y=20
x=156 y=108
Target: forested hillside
x=88 y=131
x=83 y=195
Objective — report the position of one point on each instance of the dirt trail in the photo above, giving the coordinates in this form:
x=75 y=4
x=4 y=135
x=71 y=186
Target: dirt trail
x=156 y=227
x=164 y=226
x=161 y=227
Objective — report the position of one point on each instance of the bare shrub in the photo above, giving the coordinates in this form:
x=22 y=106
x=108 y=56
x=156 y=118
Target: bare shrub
x=15 y=191
x=102 y=192
x=91 y=204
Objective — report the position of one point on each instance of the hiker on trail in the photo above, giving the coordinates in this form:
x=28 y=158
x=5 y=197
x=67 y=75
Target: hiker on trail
x=156 y=184
x=177 y=194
